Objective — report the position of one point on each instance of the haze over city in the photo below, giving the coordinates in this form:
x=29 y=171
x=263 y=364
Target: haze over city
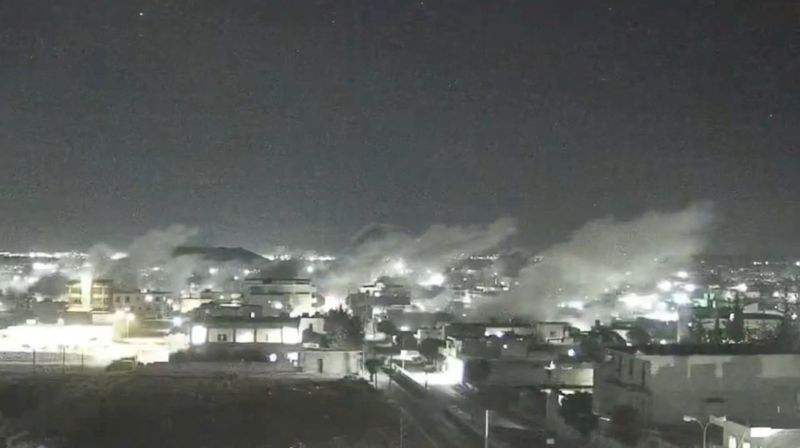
x=391 y=224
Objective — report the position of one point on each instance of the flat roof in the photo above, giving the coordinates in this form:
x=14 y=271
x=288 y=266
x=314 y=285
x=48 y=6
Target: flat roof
x=706 y=349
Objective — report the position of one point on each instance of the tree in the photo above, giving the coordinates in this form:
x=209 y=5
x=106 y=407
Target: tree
x=372 y=366
x=788 y=336
x=386 y=327
x=429 y=348
x=577 y=412
x=735 y=327
x=625 y=424
x=343 y=330
x=638 y=337
x=477 y=370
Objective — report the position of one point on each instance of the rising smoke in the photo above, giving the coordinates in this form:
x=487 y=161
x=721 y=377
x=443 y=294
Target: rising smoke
x=604 y=255
x=155 y=249
x=381 y=250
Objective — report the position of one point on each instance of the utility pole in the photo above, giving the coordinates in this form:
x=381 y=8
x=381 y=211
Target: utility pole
x=63 y=359
x=401 y=429
x=34 y=360
x=486 y=430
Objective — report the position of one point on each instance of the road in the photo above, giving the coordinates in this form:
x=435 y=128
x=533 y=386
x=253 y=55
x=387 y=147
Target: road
x=429 y=409
x=428 y=417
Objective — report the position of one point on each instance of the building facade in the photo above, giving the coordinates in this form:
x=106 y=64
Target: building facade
x=664 y=383
x=144 y=304
x=89 y=295
x=276 y=296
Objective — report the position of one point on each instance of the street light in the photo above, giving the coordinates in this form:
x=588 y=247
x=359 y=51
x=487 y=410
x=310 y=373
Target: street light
x=704 y=426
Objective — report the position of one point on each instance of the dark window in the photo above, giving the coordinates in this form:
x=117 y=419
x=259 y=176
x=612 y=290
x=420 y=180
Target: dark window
x=644 y=372
x=630 y=368
x=222 y=337
x=127 y=299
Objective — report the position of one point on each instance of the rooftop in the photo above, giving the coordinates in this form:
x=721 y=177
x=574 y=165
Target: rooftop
x=706 y=349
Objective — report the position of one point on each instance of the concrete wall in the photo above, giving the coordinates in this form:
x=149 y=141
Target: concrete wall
x=755 y=388
x=534 y=374
x=332 y=362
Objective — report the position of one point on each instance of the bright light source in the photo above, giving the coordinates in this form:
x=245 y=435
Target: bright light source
x=435 y=279
x=246 y=272
x=634 y=300
x=177 y=321
x=273 y=357
x=741 y=287
x=277 y=305
x=571 y=353
x=213 y=271
x=663 y=342
x=689 y=287
x=575 y=305
x=405 y=328
x=130 y=317
x=198 y=335
x=60 y=321
x=399 y=266
x=794 y=316
x=119 y=255
x=505 y=346
x=148 y=298
x=681 y=298
x=665 y=285
x=310 y=269
x=682 y=274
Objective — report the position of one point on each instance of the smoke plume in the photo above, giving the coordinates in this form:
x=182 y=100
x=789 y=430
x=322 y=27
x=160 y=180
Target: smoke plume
x=604 y=255
x=385 y=250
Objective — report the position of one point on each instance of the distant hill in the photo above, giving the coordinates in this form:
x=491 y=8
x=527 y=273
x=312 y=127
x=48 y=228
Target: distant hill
x=219 y=254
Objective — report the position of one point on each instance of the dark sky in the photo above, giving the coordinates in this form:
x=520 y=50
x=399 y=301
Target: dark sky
x=298 y=122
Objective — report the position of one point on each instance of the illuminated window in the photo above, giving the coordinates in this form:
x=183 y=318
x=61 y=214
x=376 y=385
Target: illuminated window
x=732 y=442
x=745 y=444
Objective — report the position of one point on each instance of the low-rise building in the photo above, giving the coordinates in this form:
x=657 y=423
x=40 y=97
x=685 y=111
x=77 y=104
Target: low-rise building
x=665 y=382
x=277 y=296
x=265 y=330
x=145 y=304
x=89 y=294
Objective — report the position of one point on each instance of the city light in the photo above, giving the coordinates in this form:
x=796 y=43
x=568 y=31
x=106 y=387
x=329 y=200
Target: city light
x=198 y=335
x=665 y=285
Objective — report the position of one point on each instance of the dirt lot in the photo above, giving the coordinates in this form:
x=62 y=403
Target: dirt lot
x=129 y=410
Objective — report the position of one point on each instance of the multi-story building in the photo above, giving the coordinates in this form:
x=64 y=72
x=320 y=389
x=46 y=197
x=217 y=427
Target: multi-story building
x=664 y=383
x=295 y=296
x=145 y=304
x=89 y=294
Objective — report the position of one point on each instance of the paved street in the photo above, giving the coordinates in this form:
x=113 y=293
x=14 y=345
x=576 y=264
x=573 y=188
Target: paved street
x=427 y=414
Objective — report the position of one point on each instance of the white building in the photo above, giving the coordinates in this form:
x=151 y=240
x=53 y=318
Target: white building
x=269 y=330
x=667 y=382
x=143 y=303
x=276 y=296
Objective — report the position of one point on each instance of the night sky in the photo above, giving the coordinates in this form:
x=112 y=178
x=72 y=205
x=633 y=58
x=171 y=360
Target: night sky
x=298 y=122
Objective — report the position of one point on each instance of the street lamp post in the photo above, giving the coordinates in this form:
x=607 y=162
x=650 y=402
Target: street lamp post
x=704 y=426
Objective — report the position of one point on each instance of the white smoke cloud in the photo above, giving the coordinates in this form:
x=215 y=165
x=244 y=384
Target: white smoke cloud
x=153 y=249
x=383 y=250
x=604 y=255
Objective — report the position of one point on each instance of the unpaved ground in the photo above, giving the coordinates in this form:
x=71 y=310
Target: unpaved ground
x=129 y=410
